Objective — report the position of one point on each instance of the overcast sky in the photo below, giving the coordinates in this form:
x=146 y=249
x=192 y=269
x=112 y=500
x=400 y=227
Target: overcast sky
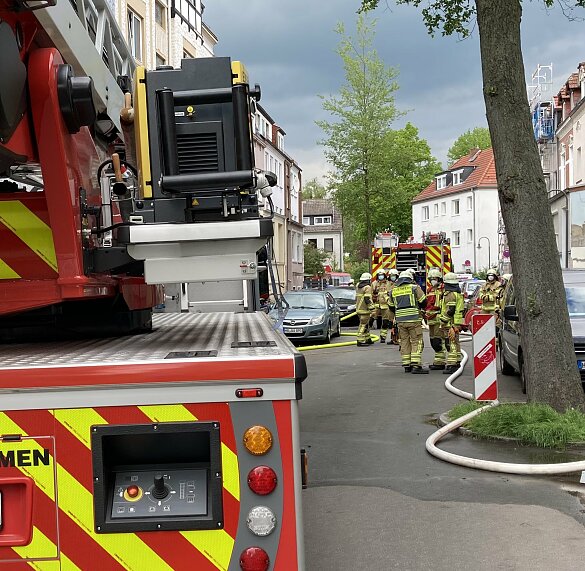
x=288 y=47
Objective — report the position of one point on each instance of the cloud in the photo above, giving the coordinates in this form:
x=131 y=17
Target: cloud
x=289 y=48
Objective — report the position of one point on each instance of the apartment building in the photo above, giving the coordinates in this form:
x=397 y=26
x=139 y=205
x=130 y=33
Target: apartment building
x=324 y=229
x=567 y=194
x=270 y=154
x=162 y=32
x=463 y=202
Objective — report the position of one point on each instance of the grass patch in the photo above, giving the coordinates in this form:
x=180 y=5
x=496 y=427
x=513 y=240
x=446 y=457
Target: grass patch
x=532 y=424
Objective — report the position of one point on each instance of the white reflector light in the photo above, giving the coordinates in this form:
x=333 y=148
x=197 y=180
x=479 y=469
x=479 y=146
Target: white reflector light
x=261 y=521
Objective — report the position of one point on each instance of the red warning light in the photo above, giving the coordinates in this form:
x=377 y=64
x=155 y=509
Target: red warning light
x=254 y=559
x=262 y=480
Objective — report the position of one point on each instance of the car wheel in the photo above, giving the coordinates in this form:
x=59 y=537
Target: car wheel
x=506 y=368
x=338 y=332
x=522 y=374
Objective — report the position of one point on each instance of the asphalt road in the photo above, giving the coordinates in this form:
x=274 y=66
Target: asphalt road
x=376 y=500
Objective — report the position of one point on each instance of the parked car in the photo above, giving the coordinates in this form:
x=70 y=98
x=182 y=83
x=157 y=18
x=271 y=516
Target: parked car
x=311 y=315
x=345 y=298
x=510 y=339
x=468 y=288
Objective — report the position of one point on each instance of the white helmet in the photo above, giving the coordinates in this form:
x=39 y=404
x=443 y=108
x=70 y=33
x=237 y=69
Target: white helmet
x=394 y=272
x=492 y=272
x=405 y=275
x=381 y=274
x=412 y=272
x=450 y=278
x=434 y=273
x=366 y=276
x=507 y=277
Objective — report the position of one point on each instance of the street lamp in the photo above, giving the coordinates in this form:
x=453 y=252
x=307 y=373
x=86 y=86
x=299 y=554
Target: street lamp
x=489 y=249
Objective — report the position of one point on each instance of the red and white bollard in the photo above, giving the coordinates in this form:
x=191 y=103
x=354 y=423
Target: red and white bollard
x=484 y=357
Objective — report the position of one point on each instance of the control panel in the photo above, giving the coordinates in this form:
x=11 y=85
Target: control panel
x=155 y=494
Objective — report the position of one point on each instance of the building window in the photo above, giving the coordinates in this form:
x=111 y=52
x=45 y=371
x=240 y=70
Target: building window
x=456 y=238
x=469 y=235
x=470 y=203
x=160 y=60
x=457 y=177
x=160 y=15
x=187 y=55
x=306 y=220
x=322 y=220
x=436 y=210
x=443 y=208
x=187 y=11
x=562 y=169
x=135 y=35
x=312 y=242
x=455 y=207
x=441 y=181
x=328 y=244
x=425 y=213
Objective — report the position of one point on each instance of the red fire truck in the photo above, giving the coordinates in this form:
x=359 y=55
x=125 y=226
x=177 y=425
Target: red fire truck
x=131 y=441
x=432 y=250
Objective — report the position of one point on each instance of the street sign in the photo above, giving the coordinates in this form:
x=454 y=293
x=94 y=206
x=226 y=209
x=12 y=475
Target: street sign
x=467 y=263
x=484 y=357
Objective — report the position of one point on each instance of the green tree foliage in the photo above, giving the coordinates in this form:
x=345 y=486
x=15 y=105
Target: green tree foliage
x=314 y=189
x=362 y=113
x=548 y=361
x=314 y=260
x=478 y=138
x=376 y=170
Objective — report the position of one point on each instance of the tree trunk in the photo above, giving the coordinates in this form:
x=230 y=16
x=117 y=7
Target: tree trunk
x=368 y=216
x=549 y=358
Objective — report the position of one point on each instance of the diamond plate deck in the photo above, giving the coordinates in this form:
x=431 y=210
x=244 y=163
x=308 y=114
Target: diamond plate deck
x=171 y=333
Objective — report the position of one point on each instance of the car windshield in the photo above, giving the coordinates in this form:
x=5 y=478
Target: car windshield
x=345 y=295
x=576 y=300
x=305 y=301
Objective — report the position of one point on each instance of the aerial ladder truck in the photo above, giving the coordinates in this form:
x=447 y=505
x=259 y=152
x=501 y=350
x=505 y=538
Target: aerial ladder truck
x=131 y=440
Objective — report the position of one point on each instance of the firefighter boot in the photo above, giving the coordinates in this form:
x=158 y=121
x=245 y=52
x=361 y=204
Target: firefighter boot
x=437 y=367
x=408 y=368
x=418 y=370
x=382 y=339
x=450 y=369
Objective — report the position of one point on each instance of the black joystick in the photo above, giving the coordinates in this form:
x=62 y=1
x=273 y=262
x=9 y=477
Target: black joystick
x=160 y=491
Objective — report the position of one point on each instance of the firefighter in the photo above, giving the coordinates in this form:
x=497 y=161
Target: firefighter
x=382 y=291
x=364 y=307
x=491 y=293
x=406 y=302
x=451 y=318
x=392 y=278
x=433 y=309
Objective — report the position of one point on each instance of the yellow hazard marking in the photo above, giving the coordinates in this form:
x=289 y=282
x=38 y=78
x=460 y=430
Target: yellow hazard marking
x=30 y=229
x=40 y=539
x=6 y=272
x=77 y=502
x=216 y=546
x=79 y=422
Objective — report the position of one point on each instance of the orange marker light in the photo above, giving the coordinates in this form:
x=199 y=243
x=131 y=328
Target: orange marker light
x=258 y=440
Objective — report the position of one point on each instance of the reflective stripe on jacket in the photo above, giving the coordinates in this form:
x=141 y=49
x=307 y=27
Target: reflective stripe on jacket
x=405 y=302
x=434 y=300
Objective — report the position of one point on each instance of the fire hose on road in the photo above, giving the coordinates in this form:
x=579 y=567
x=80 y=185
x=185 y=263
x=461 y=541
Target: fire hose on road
x=491 y=466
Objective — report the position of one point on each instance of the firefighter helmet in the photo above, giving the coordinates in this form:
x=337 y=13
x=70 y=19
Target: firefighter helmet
x=450 y=278
x=405 y=275
x=381 y=274
x=507 y=277
x=492 y=272
x=435 y=273
x=366 y=276
x=394 y=272
x=412 y=272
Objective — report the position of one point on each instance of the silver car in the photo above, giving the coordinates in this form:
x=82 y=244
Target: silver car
x=310 y=315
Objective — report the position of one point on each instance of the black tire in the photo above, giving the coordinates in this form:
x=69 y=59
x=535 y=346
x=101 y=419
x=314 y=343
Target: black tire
x=522 y=374
x=338 y=332
x=506 y=368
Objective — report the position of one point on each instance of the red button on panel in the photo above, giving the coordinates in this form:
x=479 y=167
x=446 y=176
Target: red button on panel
x=133 y=491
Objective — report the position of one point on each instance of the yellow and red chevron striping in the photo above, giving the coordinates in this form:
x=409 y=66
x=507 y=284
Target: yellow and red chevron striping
x=26 y=240
x=175 y=551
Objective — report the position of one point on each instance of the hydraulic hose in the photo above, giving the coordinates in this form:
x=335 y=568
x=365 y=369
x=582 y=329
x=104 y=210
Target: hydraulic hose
x=340 y=344
x=489 y=465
